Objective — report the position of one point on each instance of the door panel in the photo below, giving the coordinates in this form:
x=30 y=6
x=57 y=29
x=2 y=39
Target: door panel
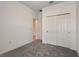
x=51 y=31
x=59 y=30
x=63 y=31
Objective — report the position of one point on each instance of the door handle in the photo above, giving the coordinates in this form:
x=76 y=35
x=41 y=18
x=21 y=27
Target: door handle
x=68 y=32
x=47 y=31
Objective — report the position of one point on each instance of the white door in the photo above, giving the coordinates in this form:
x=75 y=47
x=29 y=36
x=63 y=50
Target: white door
x=58 y=30
x=51 y=30
x=63 y=31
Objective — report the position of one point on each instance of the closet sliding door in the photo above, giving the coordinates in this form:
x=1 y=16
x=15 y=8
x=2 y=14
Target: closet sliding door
x=63 y=30
x=58 y=30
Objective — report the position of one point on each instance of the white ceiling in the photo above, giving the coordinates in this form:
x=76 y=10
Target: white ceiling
x=38 y=5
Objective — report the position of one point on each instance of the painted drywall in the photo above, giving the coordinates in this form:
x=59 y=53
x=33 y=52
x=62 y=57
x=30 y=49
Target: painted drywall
x=61 y=8
x=15 y=25
x=39 y=26
x=77 y=25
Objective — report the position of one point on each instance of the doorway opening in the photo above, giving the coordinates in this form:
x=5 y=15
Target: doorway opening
x=34 y=29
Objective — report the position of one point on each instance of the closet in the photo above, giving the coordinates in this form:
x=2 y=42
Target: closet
x=59 y=25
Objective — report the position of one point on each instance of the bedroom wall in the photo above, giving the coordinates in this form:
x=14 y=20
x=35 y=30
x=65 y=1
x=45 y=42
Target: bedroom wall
x=39 y=28
x=77 y=25
x=15 y=25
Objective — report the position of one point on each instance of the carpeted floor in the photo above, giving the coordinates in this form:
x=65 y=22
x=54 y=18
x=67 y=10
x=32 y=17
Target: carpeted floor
x=37 y=49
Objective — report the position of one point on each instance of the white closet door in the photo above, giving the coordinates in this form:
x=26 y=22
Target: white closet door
x=58 y=31
x=63 y=31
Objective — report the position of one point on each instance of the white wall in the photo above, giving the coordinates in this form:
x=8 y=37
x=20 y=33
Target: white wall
x=59 y=9
x=15 y=25
x=39 y=25
x=77 y=11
